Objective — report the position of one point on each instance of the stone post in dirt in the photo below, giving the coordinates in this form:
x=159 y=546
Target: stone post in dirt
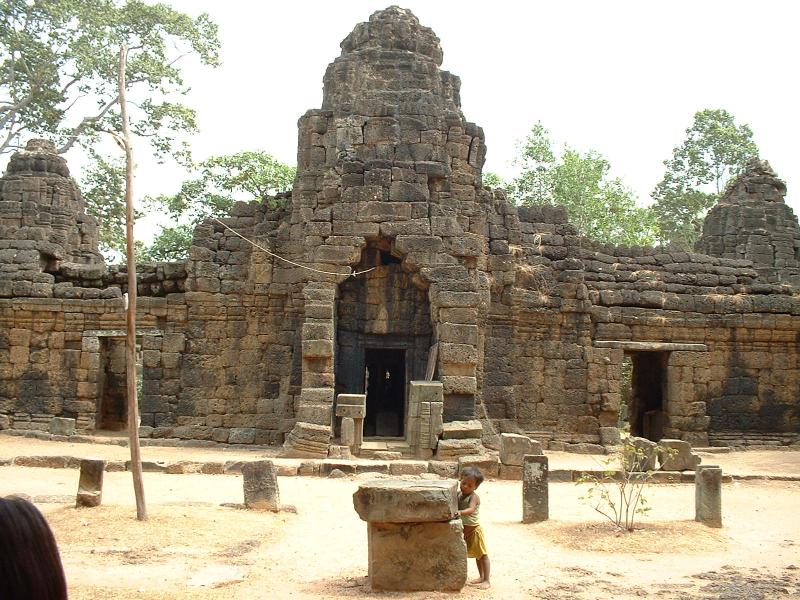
x=90 y=484
x=261 y=486
x=535 y=502
x=413 y=545
x=708 y=495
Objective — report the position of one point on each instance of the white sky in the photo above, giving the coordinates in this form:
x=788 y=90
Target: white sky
x=623 y=77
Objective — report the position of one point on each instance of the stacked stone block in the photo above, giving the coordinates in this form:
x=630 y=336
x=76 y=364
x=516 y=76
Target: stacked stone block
x=352 y=408
x=414 y=544
x=425 y=406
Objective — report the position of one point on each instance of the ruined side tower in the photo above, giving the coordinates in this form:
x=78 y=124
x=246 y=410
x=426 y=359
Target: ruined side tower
x=753 y=222
x=43 y=226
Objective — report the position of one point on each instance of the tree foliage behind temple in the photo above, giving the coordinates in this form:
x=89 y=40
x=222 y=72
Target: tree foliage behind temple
x=714 y=150
x=599 y=206
x=58 y=79
x=219 y=182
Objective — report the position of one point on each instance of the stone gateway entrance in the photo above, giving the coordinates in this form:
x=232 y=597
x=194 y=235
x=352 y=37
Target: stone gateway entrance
x=383 y=334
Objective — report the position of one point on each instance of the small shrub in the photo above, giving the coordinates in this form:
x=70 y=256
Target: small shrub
x=617 y=493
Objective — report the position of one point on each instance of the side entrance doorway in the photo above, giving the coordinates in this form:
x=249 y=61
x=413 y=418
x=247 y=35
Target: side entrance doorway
x=647 y=393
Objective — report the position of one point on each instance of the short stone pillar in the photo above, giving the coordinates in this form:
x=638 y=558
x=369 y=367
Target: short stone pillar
x=413 y=545
x=352 y=408
x=535 y=501
x=708 y=495
x=90 y=484
x=261 y=485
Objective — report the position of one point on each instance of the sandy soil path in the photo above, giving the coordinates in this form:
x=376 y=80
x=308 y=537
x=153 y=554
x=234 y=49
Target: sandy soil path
x=194 y=548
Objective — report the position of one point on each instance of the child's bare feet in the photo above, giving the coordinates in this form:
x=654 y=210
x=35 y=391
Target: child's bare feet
x=475 y=581
x=483 y=585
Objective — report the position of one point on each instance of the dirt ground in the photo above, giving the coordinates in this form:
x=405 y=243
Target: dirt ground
x=193 y=547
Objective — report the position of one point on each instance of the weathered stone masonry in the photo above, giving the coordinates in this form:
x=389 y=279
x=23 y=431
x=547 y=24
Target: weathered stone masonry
x=530 y=322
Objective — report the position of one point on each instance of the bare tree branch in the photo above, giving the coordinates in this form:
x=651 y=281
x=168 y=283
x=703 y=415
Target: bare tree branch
x=86 y=122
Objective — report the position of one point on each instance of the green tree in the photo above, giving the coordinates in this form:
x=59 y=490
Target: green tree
x=171 y=244
x=250 y=176
x=715 y=150
x=58 y=79
x=600 y=207
x=103 y=190
x=492 y=180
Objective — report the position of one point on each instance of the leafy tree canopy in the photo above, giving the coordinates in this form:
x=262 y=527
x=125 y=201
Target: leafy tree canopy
x=715 y=150
x=58 y=79
x=600 y=207
x=493 y=180
x=58 y=70
x=171 y=244
x=220 y=181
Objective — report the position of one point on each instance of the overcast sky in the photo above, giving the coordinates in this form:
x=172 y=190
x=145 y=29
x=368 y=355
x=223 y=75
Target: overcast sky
x=623 y=78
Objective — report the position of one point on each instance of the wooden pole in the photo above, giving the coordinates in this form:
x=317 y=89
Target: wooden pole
x=130 y=349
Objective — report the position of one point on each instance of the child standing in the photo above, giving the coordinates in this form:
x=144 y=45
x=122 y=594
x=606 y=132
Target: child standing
x=468 y=509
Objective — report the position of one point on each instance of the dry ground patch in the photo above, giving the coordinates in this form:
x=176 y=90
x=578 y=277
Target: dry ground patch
x=194 y=548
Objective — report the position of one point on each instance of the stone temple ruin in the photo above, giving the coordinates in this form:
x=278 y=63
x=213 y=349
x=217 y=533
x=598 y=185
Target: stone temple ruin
x=525 y=324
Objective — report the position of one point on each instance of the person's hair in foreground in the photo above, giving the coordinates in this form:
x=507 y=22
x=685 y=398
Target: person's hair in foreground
x=30 y=566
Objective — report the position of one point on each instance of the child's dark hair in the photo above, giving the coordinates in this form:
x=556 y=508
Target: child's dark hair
x=473 y=473
x=30 y=566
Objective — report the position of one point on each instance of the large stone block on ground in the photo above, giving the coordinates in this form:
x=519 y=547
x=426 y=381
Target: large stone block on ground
x=513 y=447
x=488 y=464
x=453 y=449
x=90 y=484
x=676 y=455
x=62 y=426
x=640 y=455
x=459 y=430
x=406 y=501
x=410 y=557
x=609 y=436
x=261 y=485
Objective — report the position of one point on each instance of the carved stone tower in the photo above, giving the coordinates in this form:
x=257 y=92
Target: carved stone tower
x=752 y=221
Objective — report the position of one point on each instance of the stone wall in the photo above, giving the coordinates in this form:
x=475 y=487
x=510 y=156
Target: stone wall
x=389 y=240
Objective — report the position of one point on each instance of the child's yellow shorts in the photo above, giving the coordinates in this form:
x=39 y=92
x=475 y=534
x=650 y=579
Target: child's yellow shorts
x=476 y=546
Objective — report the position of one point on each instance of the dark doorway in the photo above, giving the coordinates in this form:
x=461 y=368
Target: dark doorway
x=646 y=396
x=385 y=374
x=113 y=409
